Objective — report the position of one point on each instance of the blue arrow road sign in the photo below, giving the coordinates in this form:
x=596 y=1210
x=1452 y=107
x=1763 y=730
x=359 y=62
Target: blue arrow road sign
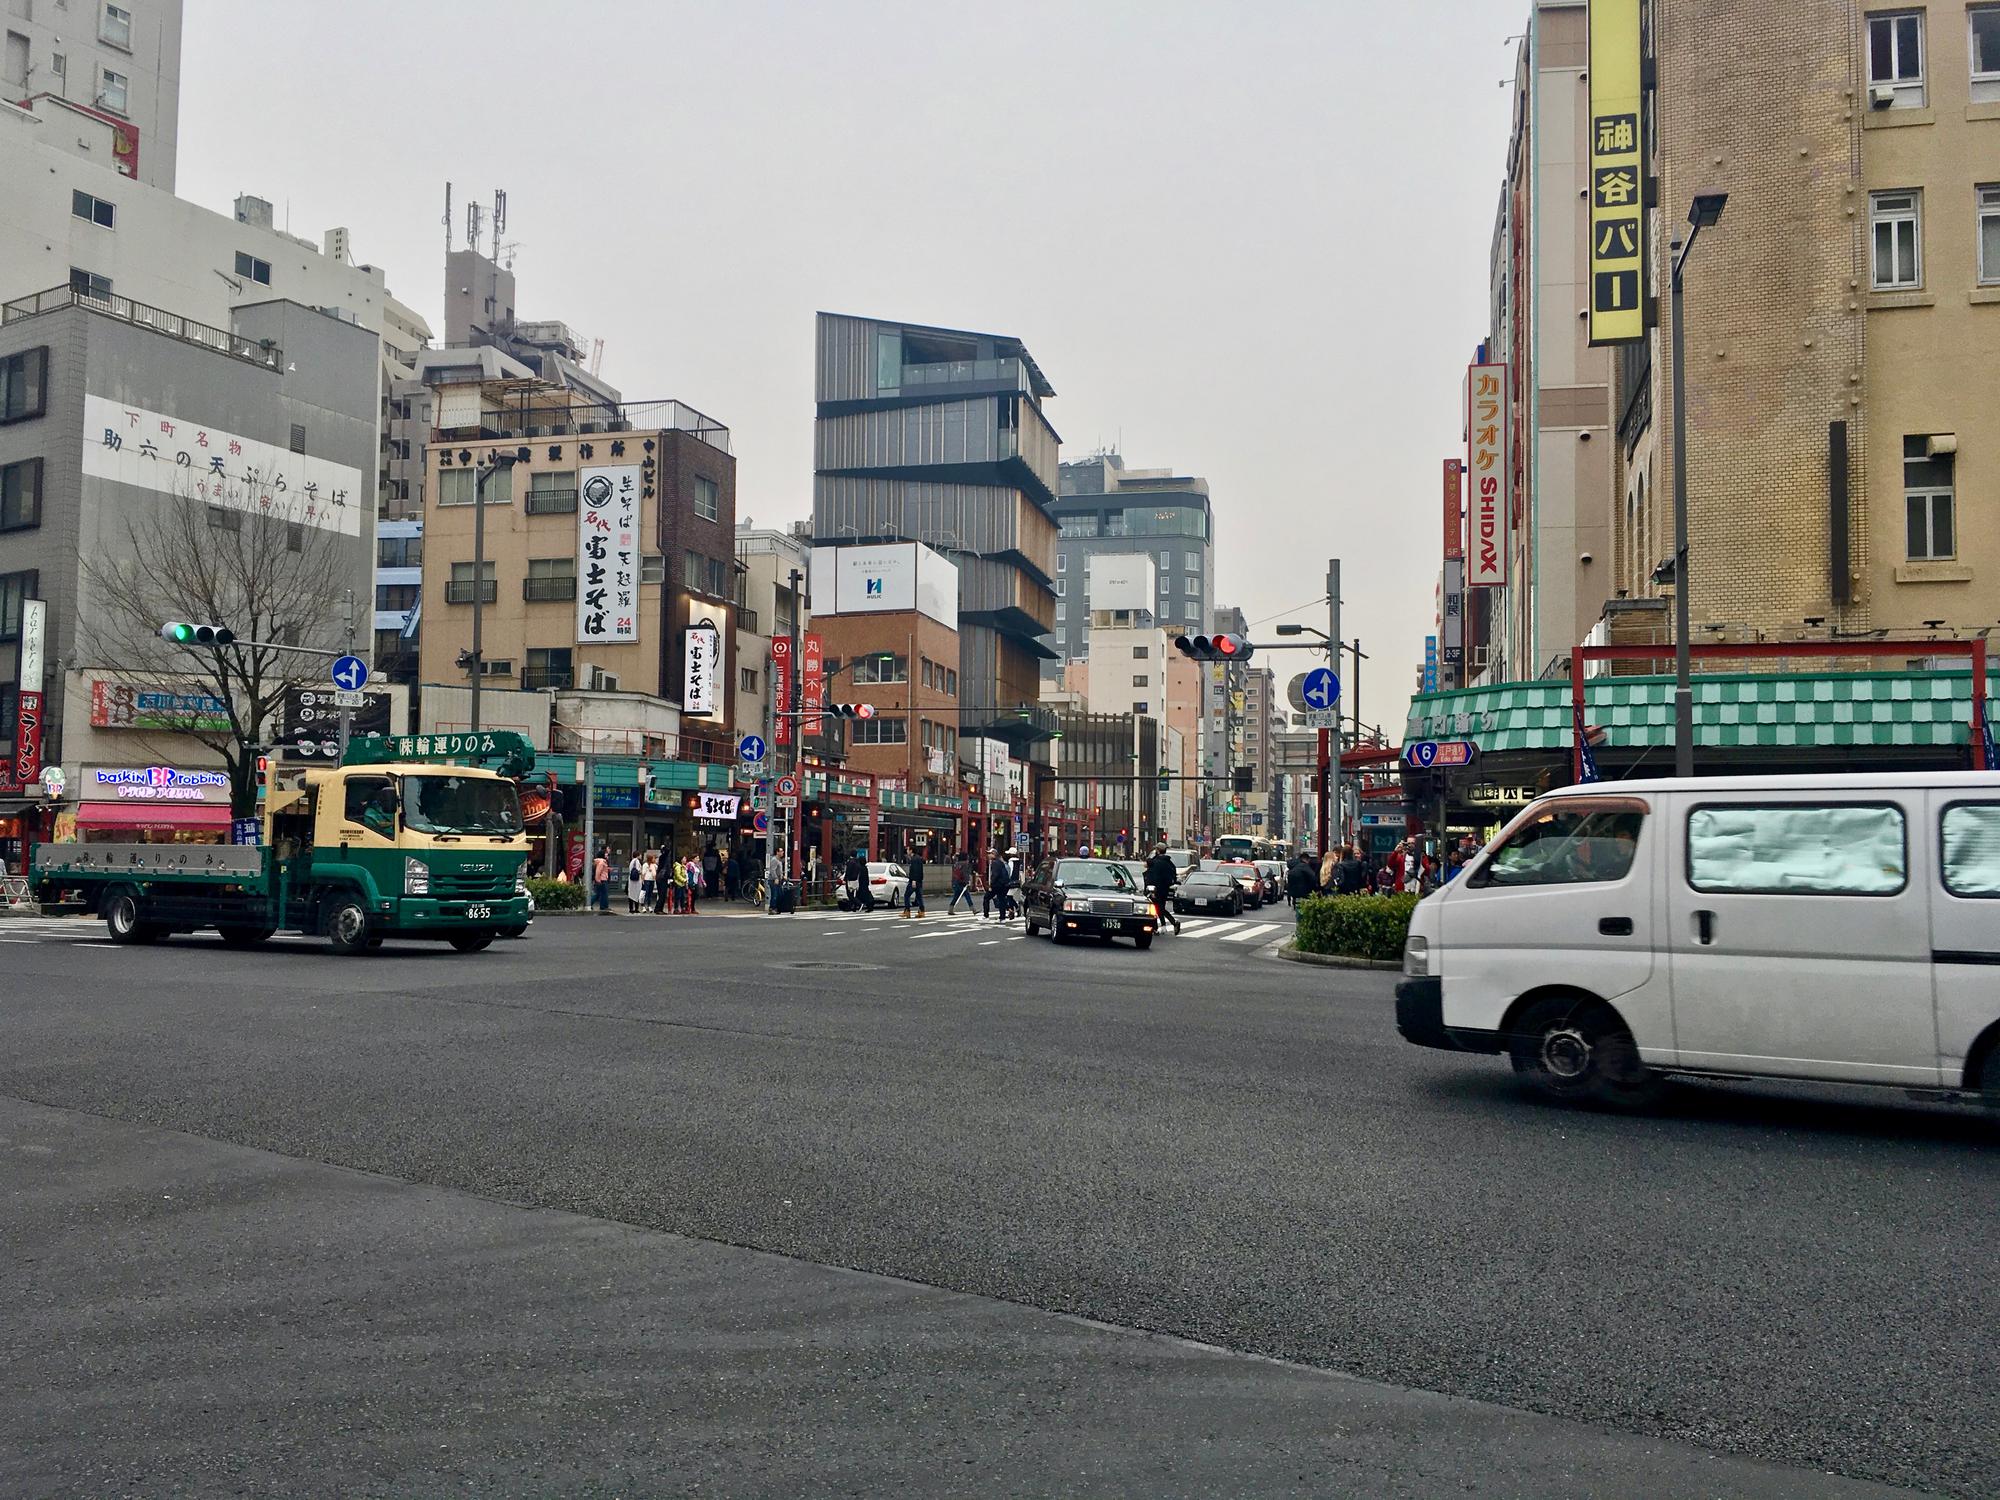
x=1322 y=688
x=349 y=673
x=1425 y=754
x=750 y=747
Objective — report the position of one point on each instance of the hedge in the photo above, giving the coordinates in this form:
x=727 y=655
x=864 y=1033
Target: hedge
x=1355 y=926
x=556 y=895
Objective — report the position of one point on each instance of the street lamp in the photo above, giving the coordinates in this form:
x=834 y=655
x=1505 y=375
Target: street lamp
x=495 y=462
x=1706 y=210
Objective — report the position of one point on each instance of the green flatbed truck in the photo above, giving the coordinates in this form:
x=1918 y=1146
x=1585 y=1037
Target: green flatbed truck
x=402 y=840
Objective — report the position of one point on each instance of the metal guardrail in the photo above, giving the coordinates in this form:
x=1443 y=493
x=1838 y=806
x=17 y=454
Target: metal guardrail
x=173 y=325
x=13 y=890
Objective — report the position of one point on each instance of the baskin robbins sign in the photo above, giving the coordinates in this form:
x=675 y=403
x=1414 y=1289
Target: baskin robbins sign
x=154 y=784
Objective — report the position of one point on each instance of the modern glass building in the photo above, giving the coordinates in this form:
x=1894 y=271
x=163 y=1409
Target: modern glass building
x=1106 y=509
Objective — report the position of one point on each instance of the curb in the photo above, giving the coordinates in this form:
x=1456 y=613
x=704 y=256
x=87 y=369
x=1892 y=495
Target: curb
x=1290 y=953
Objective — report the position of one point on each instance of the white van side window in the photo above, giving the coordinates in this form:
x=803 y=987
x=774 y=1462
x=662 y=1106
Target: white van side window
x=1972 y=849
x=1798 y=848
x=1572 y=841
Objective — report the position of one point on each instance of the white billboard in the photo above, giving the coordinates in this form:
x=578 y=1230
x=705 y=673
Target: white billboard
x=701 y=666
x=607 y=556
x=1126 y=581
x=892 y=578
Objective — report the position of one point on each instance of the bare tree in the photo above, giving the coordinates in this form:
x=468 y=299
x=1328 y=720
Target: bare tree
x=264 y=578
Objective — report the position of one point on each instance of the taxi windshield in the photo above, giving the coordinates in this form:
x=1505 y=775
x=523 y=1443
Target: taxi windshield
x=1098 y=874
x=460 y=804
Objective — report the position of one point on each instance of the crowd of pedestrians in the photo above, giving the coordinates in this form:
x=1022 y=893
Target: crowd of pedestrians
x=1410 y=866
x=661 y=883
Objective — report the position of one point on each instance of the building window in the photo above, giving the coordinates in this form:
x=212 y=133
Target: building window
x=84 y=205
x=1062 y=562
x=1166 y=567
x=458 y=486
x=880 y=730
x=1062 y=589
x=224 y=518
x=115 y=27
x=497 y=666
x=400 y=597
x=549 y=578
x=15 y=588
x=21 y=495
x=295 y=536
x=1142 y=708
x=1927 y=502
x=652 y=568
x=1898 y=239
x=298 y=437
x=547 y=667
x=399 y=552
x=1989 y=232
x=1194 y=588
x=719 y=577
x=880 y=666
x=951 y=682
x=707 y=498
x=252 y=269
x=111 y=90
x=1141 y=653
x=1078 y=526
x=459 y=589
x=694 y=571
x=1896 y=56
x=1985 y=54
x=89 y=284
x=747 y=679
x=1062 y=613
x=24 y=384
x=1141 y=680
x=1191 y=561
x=552 y=492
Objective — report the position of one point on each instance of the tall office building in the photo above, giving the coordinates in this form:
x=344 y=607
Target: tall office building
x=937 y=435
x=1105 y=509
x=73 y=62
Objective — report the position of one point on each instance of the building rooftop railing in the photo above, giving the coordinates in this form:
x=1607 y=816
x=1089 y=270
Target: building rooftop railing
x=173 y=325
x=516 y=409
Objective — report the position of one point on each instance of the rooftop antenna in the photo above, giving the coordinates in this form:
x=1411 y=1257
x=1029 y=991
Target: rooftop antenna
x=475 y=213
x=499 y=214
x=447 y=218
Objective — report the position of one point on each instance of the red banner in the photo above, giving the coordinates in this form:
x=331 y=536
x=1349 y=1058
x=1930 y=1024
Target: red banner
x=1454 y=510
x=812 y=662
x=28 y=740
x=781 y=688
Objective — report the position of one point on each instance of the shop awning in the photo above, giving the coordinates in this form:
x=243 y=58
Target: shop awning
x=195 y=817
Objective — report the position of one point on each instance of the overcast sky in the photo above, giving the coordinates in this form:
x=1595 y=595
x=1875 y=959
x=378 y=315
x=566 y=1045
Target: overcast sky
x=1245 y=240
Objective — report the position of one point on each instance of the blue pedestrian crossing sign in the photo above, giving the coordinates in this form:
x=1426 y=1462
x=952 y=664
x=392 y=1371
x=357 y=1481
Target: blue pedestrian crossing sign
x=349 y=673
x=1321 y=690
x=751 y=747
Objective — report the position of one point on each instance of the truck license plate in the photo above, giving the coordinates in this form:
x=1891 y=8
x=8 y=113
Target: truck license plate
x=478 y=913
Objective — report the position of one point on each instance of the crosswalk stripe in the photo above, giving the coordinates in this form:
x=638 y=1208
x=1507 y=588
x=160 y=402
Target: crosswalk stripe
x=1249 y=933
x=1192 y=931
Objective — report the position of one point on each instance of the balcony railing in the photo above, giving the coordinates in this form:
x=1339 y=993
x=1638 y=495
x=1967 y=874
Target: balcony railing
x=551 y=502
x=544 y=412
x=173 y=325
x=545 y=589
x=533 y=681
x=966 y=372
x=460 y=591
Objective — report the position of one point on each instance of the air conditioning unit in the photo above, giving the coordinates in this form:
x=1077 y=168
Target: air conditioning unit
x=1482 y=657
x=602 y=681
x=590 y=427
x=1882 y=95
x=620 y=425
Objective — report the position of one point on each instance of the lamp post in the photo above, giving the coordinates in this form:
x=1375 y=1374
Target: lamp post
x=495 y=462
x=1707 y=209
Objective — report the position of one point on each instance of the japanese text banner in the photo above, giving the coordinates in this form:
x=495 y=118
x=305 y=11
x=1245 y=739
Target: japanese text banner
x=1488 y=475
x=1617 y=175
x=607 y=556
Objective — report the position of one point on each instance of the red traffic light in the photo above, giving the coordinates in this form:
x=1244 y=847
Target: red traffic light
x=1215 y=647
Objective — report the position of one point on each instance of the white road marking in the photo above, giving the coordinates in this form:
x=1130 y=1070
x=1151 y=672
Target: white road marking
x=990 y=943
x=1200 y=932
x=1251 y=932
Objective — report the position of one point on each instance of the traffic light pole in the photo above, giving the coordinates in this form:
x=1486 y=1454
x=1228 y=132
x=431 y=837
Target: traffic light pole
x=1329 y=740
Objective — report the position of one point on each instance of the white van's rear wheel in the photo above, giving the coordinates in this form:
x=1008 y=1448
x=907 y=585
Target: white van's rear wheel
x=1575 y=1050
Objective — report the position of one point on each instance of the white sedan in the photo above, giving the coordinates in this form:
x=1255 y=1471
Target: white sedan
x=886 y=883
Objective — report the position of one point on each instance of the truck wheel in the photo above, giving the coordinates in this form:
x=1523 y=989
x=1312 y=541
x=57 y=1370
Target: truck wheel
x=124 y=917
x=347 y=925
x=1575 y=1050
x=244 y=937
x=471 y=942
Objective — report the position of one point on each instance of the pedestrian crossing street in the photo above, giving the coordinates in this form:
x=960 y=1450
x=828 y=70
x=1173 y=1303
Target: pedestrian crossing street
x=985 y=932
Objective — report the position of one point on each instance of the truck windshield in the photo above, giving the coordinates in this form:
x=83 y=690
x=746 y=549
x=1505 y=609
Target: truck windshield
x=460 y=804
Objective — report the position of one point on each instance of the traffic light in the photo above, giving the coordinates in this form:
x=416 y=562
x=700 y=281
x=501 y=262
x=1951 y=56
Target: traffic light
x=851 y=710
x=1244 y=778
x=649 y=789
x=1227 y=648
x=183 y=634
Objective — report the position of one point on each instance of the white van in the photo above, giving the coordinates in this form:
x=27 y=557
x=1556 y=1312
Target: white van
x=1844 y=928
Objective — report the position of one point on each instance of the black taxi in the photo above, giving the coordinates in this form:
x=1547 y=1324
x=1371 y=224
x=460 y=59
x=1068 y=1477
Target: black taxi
x=1097 y=898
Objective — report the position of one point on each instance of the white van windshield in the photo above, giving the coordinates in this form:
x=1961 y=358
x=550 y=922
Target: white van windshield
x=1575 y=841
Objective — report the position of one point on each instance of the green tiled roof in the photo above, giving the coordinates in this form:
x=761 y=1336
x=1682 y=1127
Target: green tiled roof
x=1731 y=710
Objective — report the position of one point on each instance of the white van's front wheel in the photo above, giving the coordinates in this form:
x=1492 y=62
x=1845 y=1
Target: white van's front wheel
x=1577 y=1051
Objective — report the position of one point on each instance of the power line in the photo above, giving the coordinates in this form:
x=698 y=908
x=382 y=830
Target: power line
x=1310 y=603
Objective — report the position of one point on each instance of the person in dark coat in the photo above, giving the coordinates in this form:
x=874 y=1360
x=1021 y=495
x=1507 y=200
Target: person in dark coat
x=1350 y=876
x=913 y=893
x=1161 y=877
x=1301 y=880
x=996 y=886
x=856 y=875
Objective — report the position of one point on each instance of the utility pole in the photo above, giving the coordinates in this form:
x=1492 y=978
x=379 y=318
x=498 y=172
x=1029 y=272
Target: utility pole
x=1330 y=808
x=797 y=823
x=589 y=825
x=346 y=713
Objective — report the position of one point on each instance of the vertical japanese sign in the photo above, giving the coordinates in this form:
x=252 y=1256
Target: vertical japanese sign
x=1430 y=664
x=812 y=663
x=1617 y=175
x=607 y=556
x=781 y=688
x=700 y=665
x=28 y=708
x=1453 y=652
x=1489 y=475
x=1454 y=508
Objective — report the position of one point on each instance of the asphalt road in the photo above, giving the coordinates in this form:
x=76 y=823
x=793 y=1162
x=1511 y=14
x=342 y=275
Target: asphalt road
x=1198 y=1141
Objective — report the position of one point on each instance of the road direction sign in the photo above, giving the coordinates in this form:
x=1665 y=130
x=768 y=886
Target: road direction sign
x=350 y=672
x=750 y=747
x=1439 y=754
x=1321 y=690
x=1330 y=719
